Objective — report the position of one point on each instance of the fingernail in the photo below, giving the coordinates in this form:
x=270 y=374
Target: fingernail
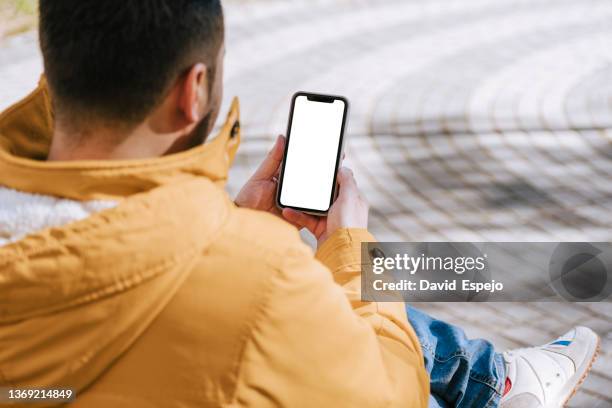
x=275 y=145
x=280 y=142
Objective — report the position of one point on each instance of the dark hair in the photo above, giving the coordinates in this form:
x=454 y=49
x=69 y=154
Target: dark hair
x=116 y=59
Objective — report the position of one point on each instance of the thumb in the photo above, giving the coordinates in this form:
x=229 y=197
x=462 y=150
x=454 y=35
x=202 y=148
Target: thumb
x=300 y=220
x=346 y=181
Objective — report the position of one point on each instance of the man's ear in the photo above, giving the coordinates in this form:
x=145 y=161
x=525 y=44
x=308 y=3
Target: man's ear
x=193 y=98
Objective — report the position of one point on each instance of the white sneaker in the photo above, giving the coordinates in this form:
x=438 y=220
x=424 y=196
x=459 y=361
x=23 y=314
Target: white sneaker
x=548 y=376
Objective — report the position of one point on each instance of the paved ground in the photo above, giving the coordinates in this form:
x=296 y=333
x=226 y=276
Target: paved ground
x=471 y=120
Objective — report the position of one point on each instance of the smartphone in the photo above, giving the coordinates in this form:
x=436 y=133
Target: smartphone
x=313 y=150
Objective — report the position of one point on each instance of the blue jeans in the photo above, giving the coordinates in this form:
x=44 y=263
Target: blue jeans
x=463 y=373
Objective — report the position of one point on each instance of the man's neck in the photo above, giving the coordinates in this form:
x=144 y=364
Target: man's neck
x=113 y=144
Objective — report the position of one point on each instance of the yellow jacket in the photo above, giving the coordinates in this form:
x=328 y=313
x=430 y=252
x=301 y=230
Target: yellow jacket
x=177 y=298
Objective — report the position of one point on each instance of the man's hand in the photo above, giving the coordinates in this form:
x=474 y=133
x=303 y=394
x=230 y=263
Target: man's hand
x=349 y=211
x=259 y=193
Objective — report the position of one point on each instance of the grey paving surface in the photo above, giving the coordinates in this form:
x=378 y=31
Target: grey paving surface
x=471 y=120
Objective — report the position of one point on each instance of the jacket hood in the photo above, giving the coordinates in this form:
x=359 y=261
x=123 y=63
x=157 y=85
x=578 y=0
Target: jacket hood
x=75 y=296
x=24 y=213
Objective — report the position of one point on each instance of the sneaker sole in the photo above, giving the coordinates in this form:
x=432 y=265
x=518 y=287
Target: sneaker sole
x=589 y=366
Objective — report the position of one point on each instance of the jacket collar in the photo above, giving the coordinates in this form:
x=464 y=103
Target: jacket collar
x=25 y=134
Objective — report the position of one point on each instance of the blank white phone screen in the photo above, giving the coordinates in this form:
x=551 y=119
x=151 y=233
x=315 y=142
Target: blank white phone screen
x=310 y=164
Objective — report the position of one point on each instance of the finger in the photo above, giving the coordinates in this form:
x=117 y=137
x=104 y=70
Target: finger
x=269 y=167
x=300 y=219
x=276 y=211
x=279 y=213
x=346 y=181
x=299 y=227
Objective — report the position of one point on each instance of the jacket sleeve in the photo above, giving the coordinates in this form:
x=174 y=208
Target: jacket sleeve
x=310 y=347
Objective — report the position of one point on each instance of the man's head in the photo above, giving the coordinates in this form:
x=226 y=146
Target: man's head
x=117 y=64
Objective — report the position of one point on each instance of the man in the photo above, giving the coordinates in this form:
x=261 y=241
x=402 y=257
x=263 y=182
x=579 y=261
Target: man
x=129 y=275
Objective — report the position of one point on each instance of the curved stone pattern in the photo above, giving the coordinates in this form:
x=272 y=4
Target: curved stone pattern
x=470 y=120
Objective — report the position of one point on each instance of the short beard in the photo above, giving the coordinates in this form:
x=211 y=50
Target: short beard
x=197 y=137
x=200 y=133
